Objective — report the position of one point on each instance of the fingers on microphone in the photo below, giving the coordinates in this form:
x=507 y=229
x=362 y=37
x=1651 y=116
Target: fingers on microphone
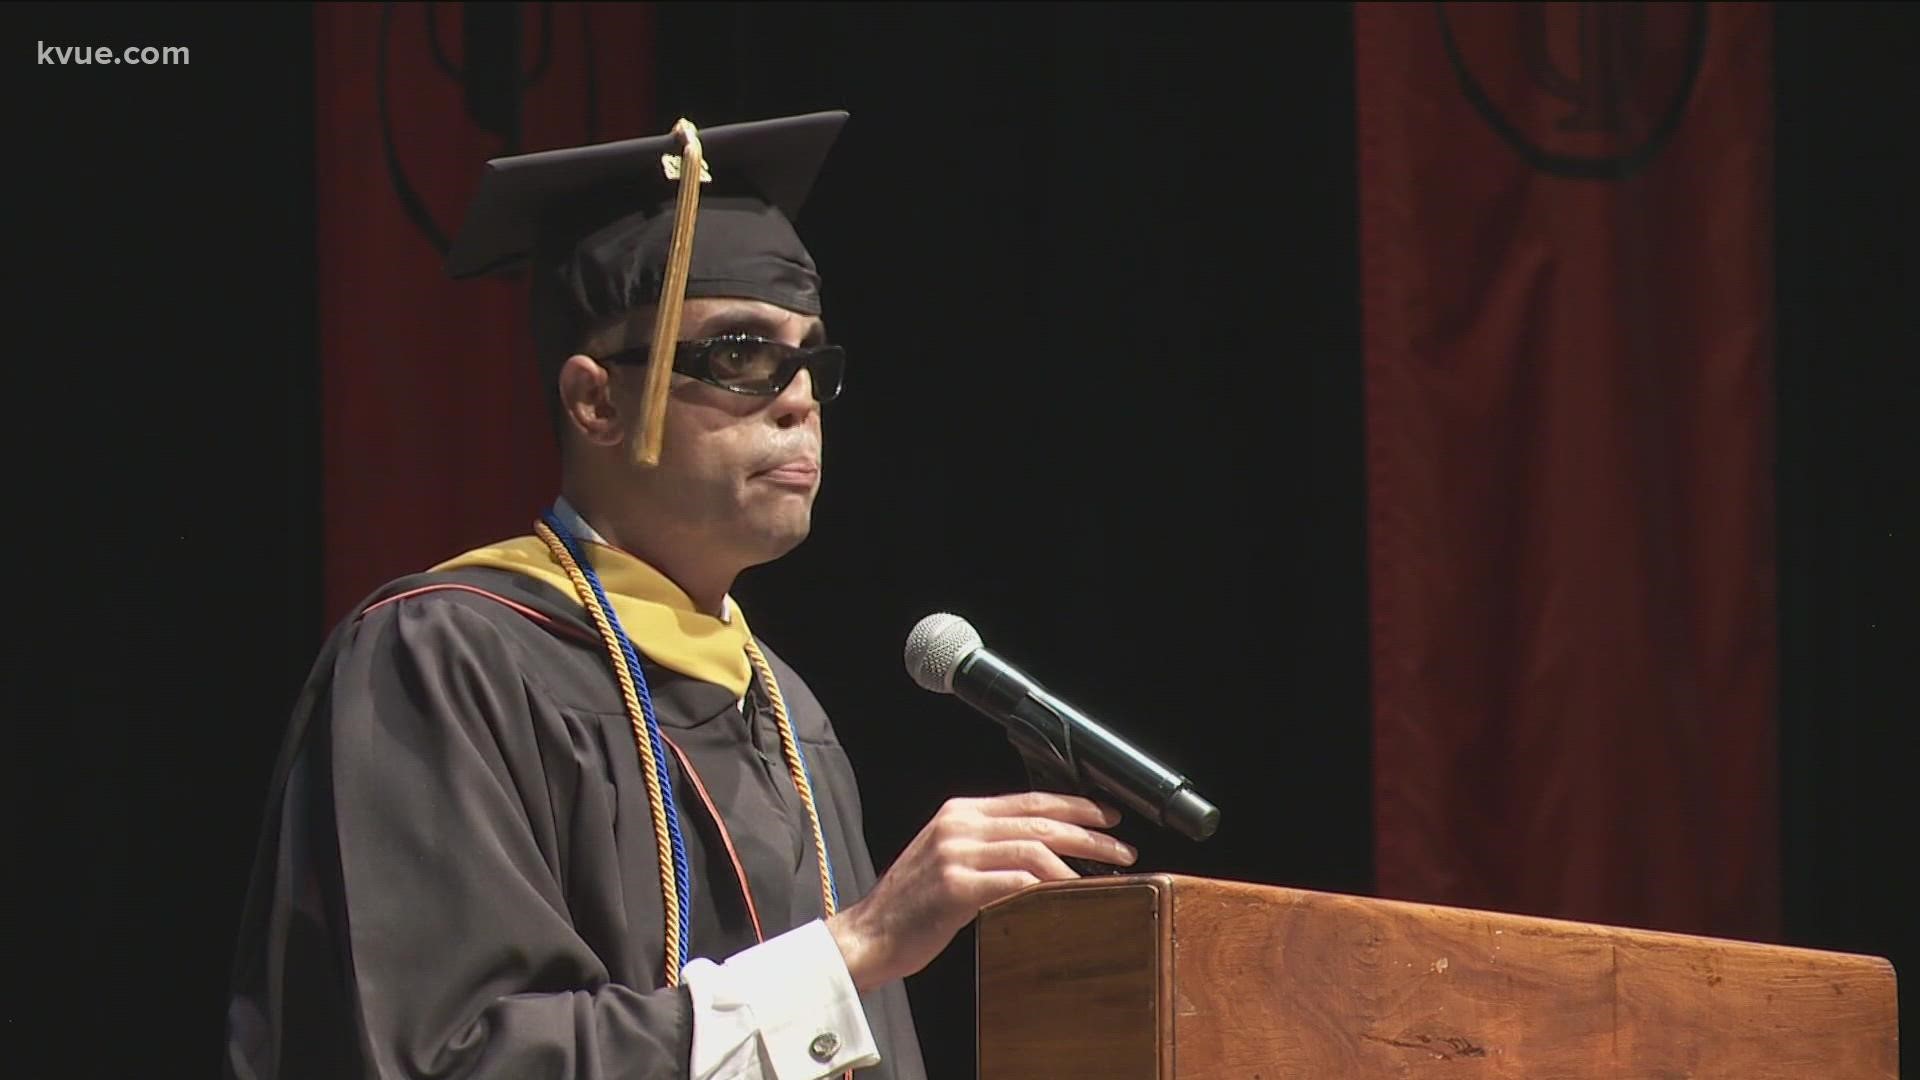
x=1104 y=848
x=1032 y=856
x=996 y=884
x=1051 y=804
x=1067 y=839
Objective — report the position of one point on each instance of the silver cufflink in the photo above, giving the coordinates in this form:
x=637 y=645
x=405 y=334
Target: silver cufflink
x=824 y=1046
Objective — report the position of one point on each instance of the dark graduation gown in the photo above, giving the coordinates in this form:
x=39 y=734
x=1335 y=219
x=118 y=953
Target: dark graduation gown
x=457 y=877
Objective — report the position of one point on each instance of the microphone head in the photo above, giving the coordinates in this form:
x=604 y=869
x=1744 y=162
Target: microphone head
x=935 y=648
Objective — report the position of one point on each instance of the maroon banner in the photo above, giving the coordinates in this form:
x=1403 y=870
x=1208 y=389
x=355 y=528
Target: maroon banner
x=1567 y=240
x=436 y=434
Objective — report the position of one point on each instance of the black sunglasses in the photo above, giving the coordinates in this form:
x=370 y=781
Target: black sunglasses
x=751 y=365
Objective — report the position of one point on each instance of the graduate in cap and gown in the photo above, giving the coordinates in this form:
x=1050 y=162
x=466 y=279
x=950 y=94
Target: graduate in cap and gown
x=549 y=808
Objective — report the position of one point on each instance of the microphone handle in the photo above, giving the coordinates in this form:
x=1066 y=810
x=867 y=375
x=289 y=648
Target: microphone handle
x=1088 y=755
x=1045 y=774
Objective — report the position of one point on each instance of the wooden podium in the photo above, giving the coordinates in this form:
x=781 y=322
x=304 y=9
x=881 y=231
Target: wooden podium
x=1167 y=977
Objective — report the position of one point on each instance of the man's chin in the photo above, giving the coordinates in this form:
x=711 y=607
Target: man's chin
x=776 y=539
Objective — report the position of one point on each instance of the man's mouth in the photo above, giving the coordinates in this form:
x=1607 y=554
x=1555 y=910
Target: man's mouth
x=799 y=473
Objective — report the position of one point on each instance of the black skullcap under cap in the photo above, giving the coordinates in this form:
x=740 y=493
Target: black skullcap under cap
x=594 y=224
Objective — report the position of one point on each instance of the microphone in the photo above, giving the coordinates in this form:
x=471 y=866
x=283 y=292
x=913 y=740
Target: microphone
x=945 y=655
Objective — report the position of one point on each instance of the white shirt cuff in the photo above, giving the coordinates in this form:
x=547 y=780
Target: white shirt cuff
x=785 y=1009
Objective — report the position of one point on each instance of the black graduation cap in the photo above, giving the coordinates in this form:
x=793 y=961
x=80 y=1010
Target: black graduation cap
x=594 y=224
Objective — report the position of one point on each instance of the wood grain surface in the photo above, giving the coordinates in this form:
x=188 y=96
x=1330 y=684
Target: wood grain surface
x=1267 y=982
x=1069 y=986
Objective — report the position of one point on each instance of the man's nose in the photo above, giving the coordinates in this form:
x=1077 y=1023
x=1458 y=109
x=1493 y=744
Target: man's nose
x=796 y=405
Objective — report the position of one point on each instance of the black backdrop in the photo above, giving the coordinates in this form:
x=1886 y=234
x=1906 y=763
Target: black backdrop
x=1096 y=266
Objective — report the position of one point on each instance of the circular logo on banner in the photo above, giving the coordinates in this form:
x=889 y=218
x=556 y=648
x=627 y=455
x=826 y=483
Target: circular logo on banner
x=1585 y=90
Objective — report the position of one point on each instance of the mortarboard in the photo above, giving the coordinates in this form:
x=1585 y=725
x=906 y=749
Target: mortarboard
x=593 y=225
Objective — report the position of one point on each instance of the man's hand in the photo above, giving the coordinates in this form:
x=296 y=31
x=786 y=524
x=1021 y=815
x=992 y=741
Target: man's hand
x=973 y=852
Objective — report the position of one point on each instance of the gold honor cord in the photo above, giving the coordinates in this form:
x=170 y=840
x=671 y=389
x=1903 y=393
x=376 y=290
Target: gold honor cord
x=691 y=168
x=650 y=771
x=660 y=805
x=797 y=770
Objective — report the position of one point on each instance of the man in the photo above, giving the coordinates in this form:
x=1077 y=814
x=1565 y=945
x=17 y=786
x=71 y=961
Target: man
x=549 y=809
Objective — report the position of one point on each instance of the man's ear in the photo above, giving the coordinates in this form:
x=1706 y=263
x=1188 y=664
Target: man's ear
x=588 y=402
